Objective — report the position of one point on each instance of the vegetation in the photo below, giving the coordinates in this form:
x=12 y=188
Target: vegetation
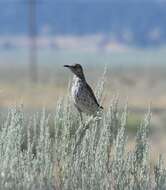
x=70 y=155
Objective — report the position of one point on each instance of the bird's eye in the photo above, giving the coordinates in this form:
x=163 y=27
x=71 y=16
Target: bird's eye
x=77 y=66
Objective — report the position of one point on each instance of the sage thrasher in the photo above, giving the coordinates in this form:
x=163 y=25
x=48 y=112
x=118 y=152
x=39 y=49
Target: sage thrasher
x=82 y=94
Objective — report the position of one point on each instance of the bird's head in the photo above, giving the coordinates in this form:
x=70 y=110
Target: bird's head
x=76 y=69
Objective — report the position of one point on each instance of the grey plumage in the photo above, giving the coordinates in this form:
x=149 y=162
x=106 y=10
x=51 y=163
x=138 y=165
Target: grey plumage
x=82 y=94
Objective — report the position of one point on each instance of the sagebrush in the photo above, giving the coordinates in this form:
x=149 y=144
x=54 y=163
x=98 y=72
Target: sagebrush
x=66 y=154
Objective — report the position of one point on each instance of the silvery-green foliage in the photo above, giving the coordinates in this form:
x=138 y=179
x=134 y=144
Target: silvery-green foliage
x=93 y=155
x=25 y=165
x=70 y=155
x=160 y=175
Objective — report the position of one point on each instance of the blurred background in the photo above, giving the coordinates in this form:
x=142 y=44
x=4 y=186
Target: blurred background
x=37 y=37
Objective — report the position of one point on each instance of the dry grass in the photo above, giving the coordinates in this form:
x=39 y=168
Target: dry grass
x=140 y=88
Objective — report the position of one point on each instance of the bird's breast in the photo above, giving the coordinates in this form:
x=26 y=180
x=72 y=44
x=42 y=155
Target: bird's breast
x=77 y=88
x=82 y=98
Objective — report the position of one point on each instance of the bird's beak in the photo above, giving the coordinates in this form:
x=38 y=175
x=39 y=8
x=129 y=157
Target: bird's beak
x=66 y=65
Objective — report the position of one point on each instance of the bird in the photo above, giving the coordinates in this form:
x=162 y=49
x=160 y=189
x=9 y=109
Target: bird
x=82 y=94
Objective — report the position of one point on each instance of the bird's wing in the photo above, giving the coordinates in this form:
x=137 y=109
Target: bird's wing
x=92 y=95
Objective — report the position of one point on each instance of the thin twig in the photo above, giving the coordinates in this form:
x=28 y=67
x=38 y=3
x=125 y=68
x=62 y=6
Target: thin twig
x=81 y=133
